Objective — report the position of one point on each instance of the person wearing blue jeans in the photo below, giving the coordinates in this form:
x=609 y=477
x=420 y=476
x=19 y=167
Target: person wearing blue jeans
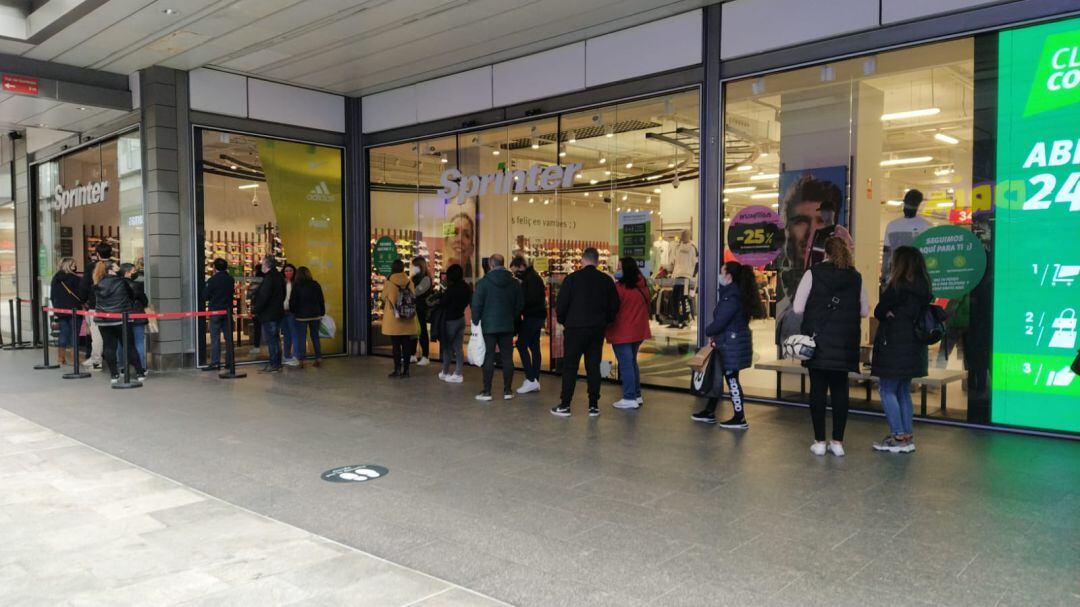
x=137 y=326
x=272 y=337
x=138 y=333
x=269 y=308
x=218 y=296
x=899 y=356
x=631 y=327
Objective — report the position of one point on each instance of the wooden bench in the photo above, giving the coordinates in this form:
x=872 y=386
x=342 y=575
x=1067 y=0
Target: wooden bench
x=937 y=378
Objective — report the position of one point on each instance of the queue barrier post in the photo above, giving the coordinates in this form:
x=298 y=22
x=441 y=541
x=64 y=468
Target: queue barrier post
x=230 y=351
x=11 y=325
x=45 y=364
x=19 y=343
x=129 y=354
x=76 y=373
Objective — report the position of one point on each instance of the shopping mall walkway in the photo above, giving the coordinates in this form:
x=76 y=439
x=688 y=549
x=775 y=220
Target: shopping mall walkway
x=632 y=508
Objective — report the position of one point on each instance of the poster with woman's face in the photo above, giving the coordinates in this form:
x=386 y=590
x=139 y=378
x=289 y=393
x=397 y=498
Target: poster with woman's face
x=459 y=233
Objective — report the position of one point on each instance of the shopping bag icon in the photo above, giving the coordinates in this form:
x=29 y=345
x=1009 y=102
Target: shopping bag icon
x=1064 y=330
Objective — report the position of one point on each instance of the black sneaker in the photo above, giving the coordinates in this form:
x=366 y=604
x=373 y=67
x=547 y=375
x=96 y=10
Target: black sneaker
x=270 y=369
x=561 y=410
x=484 y=396
x=394 y=375
x=140 y=376
x=735 y=423
x=594 y=410
x=211 y=368
x=115 y=379
x=704 y=417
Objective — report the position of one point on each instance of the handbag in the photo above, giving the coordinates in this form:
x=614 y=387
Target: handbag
x=151 y=323
x=702 y=380
x=930 y=325
x=701 y=358
x=799 y=347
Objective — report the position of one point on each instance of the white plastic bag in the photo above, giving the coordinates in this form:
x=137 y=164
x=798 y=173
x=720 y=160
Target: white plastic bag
x=476 y=352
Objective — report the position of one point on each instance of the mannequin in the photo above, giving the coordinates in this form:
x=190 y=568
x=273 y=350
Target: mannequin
x=684 y=269
x=659 y=255
x=901 y=232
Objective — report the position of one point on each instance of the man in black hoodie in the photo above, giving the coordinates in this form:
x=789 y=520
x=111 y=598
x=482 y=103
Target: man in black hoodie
x=269 y=309
x=532 y=322
x=587 y=304
x=218 y=295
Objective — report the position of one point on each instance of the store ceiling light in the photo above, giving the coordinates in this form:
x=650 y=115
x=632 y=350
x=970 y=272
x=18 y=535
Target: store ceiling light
x=653 y=177
x=920 y=113
x=740 y=189
x=944 y=171
x=764 y=176
x=726 y=199
x=494 y=152
x=648 y=200
x=902 y=161
x=607 y=173
x=535 y=145
x=943 y=138
x=671 y=165
x=171 y=12
x=624 y=197
x=572 y=137
x=515 y=198
x=609 y=131
x=247 y=186
x=232 y=166
x=586 y=193
x=593 y=182
x=745 y=167
x=765 y=195
x=547 y=201
x=944 y=205
x=578 y=176
x=531 y=201
x=562 y=154
x=443 y=159
x=895 y=203
x=603 y=160
x=656 y=190
x=629 y=165
x=776 y=205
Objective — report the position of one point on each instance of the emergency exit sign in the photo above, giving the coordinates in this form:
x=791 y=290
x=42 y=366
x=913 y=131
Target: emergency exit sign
x=20 y=84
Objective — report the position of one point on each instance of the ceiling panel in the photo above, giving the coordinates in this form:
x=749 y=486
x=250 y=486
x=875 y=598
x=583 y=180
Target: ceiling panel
x=347 y=46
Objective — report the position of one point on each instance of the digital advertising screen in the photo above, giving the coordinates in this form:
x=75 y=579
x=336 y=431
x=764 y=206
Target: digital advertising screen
x=1037 y=239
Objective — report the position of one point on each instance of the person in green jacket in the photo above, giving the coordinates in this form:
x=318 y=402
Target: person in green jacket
x=496 y=302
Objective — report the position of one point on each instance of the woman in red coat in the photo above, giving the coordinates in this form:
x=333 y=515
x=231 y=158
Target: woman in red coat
x=631 y=327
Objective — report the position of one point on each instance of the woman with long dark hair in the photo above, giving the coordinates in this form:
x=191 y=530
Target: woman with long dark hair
x=288 y=323
x=308 y=307
x=454 y=300
x=64 y=295
x=631 y=327
x=898 y=356
x=421 y=280
x=737 y=301
x=833 y=302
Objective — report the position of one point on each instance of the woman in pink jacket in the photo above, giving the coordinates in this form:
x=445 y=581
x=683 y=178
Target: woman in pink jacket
x=631 y=327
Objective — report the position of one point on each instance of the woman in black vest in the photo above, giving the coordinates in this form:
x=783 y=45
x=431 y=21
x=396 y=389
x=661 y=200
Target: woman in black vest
x=833 y=302
x=898 y=356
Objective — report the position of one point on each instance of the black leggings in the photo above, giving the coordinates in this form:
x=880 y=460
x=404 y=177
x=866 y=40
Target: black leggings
x=835 y=383
x=422 y=318
x=111 y=337
x=403 y=348
x=734 y=392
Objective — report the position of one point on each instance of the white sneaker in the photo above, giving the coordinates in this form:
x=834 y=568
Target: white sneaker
x=423 y=362
x=529 y=385
x=625 y=403
x=818 y=448
x=412 y=360
x=454 y=379
x=640 y=401
x=254 y=351
x=443 y=376
x=836 y=448
x=292 y=362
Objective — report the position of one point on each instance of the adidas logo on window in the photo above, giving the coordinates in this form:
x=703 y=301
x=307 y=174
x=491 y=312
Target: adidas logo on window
x=321 y=193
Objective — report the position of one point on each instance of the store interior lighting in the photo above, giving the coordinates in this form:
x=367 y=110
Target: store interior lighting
x=247 y=186
x=906 y=115
x=764 y=176
x=765 y=195
x=744 y=168
x=740 y=189
x=903 y=161
x=942 y=137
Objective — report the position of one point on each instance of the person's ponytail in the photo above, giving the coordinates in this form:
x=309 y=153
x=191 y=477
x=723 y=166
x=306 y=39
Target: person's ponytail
x=836 y=249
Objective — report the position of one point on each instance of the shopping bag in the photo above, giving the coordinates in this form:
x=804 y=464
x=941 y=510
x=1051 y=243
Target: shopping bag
x=702 y=380
x=477 y=350
x=699 y=360
x=327 y=327
x=151 y=323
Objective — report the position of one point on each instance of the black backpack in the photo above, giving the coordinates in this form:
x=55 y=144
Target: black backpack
x=930 y=325
x=406 y=304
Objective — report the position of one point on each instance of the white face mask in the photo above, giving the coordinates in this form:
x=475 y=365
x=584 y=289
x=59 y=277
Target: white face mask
x=413 y=271
x=725 y=280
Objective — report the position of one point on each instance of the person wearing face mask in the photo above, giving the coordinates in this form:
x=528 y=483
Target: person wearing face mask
x=815 y=252
x=421 y=280
x=737 y=301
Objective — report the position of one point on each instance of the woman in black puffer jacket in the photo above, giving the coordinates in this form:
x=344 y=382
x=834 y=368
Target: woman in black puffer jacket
x=308 y=306
x=737 y=302
x=114 y=295
x=898 y=355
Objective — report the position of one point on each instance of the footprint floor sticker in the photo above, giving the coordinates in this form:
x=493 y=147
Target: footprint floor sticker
x=355 y=474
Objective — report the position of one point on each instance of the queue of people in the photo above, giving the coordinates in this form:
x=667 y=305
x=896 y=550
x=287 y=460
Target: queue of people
x=287 y=307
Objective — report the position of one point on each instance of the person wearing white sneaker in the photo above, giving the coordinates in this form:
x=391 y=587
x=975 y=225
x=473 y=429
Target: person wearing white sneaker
x=443 y=376
x=529 y=385
x=818 y=447
x=423 y=362
x=630 y=329
x=832 y=300
x=453 y=302
x=530 y=323
x=420 y=275
x=454 y=379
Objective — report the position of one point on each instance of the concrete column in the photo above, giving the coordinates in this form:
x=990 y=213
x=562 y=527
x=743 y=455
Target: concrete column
x=24 y=253
x=166 y=136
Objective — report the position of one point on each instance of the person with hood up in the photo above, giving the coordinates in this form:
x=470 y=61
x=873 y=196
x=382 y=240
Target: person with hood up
x=496 y=302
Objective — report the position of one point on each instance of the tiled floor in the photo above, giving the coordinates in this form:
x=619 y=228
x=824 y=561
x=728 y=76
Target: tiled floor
x=632 y=508
x=81 y=527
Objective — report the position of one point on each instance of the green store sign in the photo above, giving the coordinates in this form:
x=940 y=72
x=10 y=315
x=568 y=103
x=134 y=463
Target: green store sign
x=1037 y=237
x=384 y=255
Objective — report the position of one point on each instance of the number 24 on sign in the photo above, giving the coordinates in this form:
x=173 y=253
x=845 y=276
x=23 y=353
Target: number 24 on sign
x=1047 y=182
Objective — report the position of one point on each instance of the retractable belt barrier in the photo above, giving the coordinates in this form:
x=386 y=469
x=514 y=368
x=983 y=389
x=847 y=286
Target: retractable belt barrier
x=125 y=318
x=15 y=325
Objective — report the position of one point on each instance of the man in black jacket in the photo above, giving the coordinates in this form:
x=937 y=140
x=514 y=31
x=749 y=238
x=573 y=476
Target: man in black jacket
x=269 y=309
x=531 y=323
x=218 y=295
x=587 y=304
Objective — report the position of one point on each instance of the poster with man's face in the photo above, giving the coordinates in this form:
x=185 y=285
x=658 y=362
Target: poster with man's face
x=459 y=233
x=808 y=198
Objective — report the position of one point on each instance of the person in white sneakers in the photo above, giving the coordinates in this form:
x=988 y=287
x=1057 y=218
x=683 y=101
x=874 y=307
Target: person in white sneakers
x=630 y=329
x=454 y=301
x=420 y=276
x=531 y=323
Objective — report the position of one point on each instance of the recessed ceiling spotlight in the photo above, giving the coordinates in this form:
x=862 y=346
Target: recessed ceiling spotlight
x=949 y=139
x=494 y=152
x=606 y=173
x=624 y=197
x=593 y=182
x=232 y=166
x=515 y=198
x=609 y=131
x=657 y=190
x=572 y=137
x=744 y=167
x=562 y=154
x=629 y=165
x=82 y=109
x=172 y=12
x=443 y=159
x=603 y=160
x=531 y=201
x=648 y=200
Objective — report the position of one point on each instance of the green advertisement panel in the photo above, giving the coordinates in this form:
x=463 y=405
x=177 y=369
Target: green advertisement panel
x=1037 y=247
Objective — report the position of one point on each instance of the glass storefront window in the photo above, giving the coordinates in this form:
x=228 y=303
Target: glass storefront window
x=91 y=196
x=851 y=138
x=258 y=196
x=635 y=162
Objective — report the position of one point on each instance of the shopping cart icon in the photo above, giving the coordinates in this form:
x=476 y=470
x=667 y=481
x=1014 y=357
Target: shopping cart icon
x=1065 y=274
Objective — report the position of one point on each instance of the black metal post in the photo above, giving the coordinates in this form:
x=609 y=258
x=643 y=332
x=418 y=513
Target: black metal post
x=76 y=373
x=127 y=384
x=11 y=324
x=230 y=350
x=45 y=342
x=19 y=343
